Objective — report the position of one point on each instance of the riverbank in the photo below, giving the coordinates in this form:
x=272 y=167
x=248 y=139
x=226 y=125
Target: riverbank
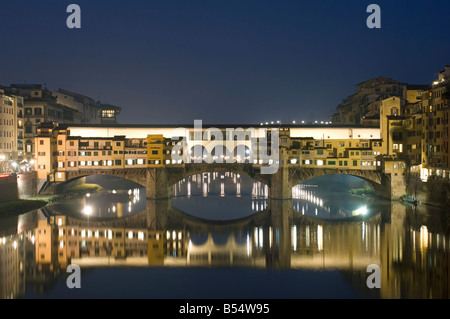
x=21 y=206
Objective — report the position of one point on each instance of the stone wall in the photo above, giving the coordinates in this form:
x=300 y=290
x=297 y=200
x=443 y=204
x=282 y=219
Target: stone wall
x=438 y=190
x=8 y=188
x=27 y=184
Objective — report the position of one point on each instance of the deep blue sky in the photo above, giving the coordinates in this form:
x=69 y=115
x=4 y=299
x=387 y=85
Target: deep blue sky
x=222 y=61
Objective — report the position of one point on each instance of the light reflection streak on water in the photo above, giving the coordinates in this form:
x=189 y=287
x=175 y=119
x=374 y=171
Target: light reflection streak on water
x=223 y=184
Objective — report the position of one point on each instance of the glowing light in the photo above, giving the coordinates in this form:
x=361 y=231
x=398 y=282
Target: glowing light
x=87 y=210
x=319 y=237
x=360 y=211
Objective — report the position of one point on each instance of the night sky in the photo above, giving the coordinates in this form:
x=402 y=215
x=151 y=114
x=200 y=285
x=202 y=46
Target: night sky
x=221 y=61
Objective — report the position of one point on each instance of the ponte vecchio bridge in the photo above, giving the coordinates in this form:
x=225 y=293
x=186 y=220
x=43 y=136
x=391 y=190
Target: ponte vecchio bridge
x=157 y=157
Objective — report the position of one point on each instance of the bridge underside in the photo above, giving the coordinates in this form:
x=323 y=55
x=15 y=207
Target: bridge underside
x=159 y=181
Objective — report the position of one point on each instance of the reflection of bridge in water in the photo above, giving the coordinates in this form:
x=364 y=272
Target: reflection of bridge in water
x=410 y=246
x=276 y=237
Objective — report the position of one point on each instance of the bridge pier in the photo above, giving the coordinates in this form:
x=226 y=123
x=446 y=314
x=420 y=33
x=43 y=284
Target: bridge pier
x=157 y=184
x=393 y=185
x=280 y=187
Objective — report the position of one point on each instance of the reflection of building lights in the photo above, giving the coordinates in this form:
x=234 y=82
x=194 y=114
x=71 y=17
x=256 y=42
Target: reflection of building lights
x=319 y=237
x=15 y=244
x=87 y=210
x=423 y=237
x=88 y=195
x=294 y=237
x=360 y=211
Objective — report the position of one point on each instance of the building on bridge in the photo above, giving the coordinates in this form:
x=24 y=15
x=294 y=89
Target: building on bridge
x=157 y=156
x=65 y=148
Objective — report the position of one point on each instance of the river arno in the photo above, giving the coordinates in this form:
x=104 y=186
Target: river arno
x=314 y=246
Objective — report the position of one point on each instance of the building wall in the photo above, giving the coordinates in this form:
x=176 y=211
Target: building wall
x=8 y=186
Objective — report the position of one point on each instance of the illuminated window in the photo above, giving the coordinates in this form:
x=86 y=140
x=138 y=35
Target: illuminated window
x=108 y=113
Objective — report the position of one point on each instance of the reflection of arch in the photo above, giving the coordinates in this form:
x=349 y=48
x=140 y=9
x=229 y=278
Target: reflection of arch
x=199 y=239
x=242 y=154
x=220 y=239
x=240 y=237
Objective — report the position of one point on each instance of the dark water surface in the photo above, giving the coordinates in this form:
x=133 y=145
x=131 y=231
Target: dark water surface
x=221 y=237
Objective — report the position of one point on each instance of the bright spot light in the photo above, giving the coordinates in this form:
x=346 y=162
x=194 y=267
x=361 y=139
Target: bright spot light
x=88 y=195
x=360 y=211
x=87 y=210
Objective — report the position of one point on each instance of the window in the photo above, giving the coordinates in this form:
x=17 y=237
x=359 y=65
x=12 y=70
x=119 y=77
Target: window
x=28 y=127
x=155 y=152
x=118 y=143
x=394 y=111
x=117 y=162
x=355 y=163
x=108 y=113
